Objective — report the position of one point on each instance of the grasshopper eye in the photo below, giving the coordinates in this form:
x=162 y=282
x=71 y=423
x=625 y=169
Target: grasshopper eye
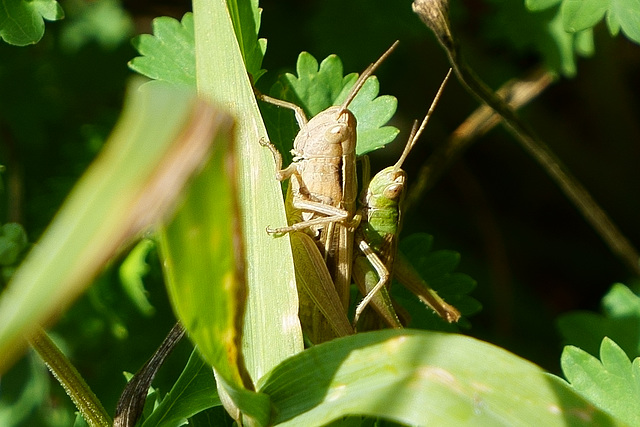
x=337 y=133
x=393 y=191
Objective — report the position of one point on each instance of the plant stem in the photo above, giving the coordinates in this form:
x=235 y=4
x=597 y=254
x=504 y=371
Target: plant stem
x=74 y=385
x=435 y=14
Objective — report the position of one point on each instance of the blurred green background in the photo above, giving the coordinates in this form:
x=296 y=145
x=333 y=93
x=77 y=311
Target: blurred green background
x=532 y=255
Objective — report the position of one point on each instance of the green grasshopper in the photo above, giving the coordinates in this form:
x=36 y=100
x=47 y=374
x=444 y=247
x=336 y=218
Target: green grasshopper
x=376 y=238
x=321 y=198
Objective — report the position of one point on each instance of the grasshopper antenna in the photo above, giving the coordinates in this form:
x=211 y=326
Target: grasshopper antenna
x=364 y=76
x=415 y=135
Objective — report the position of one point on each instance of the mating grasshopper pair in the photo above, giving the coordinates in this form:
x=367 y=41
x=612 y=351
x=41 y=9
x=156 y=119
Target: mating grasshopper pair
x=324 y=222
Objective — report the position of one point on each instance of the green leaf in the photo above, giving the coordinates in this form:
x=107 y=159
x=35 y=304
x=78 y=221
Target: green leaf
x=245 y=16
x=536 y=5
x=193 y=392
x=206 y=283
x=168 y=54
x=578 y=15
x=13 y=242
x=421 y=378
x=437 y=268
x=131 y=272
x=620 y=321
x=33 y=395
x=613 y=385
x=541 y=30
x=22 y=21
x=142 y=168
x=103 y=21
x=626 y=15
x=318 y=87
x=272 y=330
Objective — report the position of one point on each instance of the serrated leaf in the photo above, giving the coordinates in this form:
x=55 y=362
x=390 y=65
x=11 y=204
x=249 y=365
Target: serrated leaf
x=193 y=392
x=318 y=87
x=620 y=321
x=424 y=379
x=437 y=268
x=578 y=15
x=168 y=54
x=613 y=385
x=22 y=21
x=372 y=112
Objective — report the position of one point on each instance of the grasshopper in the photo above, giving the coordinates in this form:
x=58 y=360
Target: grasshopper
x=376 y=239
x=323 y=186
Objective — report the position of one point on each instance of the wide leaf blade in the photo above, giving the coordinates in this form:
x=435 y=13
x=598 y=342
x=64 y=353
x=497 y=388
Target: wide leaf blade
x=422 y=378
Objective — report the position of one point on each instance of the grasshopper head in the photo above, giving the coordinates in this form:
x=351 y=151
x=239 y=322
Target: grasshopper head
x=386 y=188
x=331 y=133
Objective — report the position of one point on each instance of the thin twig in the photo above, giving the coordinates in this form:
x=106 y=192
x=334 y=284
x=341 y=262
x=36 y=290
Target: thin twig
x=435 y=14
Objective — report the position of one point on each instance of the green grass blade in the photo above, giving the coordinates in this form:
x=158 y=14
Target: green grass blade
x=422 y=378
x=272 y=330
x=128 y=186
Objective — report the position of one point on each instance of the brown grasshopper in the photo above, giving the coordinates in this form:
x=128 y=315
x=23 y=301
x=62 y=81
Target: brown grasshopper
x=324 y=185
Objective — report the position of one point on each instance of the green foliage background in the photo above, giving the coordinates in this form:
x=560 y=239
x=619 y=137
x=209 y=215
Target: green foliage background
x=533 y=257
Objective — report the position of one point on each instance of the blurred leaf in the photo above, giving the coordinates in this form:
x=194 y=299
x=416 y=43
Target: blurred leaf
x=103 y=21
x=22 y=21
x=317 y=88
x=620 y=321
x=135 y=179
x=421 y=378
x=80 y=422
x=625 y=15
x=13 y=241
x=32 y=396
x=131 y=272
x=541 y=30
x=207 y=284
x=193 y=392
x=437 y=268
x=536 y=5
x=613 y=385
x=582 y=14
x=168 y=54
x=579 y=15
